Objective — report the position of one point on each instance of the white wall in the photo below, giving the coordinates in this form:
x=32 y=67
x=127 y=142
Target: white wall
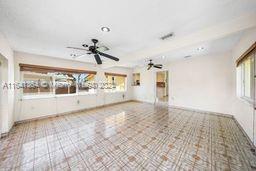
x=242 y=110
x=33 y=108
x=145 y=92
x=6 y=111
x=206 y=83
x=203 y=83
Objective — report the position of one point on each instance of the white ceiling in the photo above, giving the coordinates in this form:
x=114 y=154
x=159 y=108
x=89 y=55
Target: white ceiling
x=46 y=27
x=213 y=47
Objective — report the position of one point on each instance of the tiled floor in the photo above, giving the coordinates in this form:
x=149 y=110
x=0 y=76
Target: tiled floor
x=129 y=136
x=163 y=99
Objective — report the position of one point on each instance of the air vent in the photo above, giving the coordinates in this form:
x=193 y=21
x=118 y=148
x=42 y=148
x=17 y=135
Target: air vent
x=167 y=36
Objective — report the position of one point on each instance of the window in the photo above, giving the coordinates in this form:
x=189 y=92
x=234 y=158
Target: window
x=37 y=84
x=136 y=79
x=245 y=74
x=40 y=80
x=86 y=82
x=65 y=83
x=116 y=82
x=247 y=79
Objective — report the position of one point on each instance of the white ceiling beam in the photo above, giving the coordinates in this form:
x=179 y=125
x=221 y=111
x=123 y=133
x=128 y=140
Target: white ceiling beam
x=212 y=33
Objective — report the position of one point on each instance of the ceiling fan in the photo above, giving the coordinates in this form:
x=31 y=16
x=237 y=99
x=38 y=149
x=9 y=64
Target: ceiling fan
x=151 y=64
x=96 y=51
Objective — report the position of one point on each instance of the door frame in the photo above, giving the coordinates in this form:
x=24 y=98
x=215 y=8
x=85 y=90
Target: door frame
x=155 y=87
x=1 y=94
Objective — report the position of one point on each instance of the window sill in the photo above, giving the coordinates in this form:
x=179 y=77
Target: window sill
x=89 y=93
x=55 y=96
x=37 y=97
x=115 y=91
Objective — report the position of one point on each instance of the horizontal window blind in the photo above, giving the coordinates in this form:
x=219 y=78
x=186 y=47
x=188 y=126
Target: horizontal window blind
x=246 y=54
x=115 y=74
x=47 y=69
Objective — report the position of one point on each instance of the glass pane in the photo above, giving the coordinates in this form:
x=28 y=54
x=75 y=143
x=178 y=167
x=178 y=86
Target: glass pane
x=247 y=77
x=110 y=83
x=120 y=83
x=85 y=82
x=65 y=83
x=37 y=84
x=117 y=83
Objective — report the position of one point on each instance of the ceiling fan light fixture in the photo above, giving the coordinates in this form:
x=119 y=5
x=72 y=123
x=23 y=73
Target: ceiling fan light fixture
x=200 y=48
x=105 y=29
x=73 y=55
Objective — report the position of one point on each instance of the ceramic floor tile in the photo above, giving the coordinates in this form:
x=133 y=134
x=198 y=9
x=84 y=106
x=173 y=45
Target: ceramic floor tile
x=128 y=136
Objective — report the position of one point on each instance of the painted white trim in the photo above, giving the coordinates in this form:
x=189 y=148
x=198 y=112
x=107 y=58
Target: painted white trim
x=155 y=87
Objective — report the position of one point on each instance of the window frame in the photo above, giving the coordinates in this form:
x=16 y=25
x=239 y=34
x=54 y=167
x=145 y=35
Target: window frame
x=79 y=92
x=243 y=82
x=250 y=54
x=116 y=75
x=52 y=93
x=53 y=77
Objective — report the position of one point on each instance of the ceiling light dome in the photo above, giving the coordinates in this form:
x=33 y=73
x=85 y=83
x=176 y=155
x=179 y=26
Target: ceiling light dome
x=105 y=29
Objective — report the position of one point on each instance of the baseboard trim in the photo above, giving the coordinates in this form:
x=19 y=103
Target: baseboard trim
x=70 y=112
x=201 y=111
x=242 y=129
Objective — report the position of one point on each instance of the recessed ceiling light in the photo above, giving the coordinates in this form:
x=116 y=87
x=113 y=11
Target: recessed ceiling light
x=163 y=57
x=105 y=29
x=200 y=48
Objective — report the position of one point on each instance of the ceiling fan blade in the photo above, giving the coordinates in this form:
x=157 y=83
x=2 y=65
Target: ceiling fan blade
x=159 y=67
x=107 y=56
x=97 y=58
x=150 y=66
x=77 y=48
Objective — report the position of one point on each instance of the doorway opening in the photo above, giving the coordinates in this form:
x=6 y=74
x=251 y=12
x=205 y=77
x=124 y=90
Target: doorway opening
x=162 y=87
x=1 y=93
